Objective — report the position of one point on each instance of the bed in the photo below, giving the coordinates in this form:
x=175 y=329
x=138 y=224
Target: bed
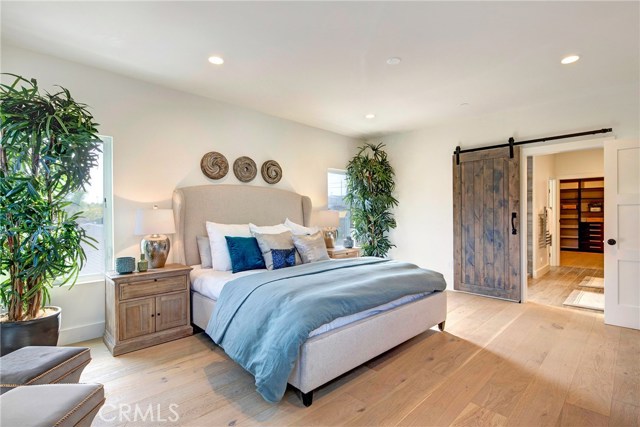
x=328 y=353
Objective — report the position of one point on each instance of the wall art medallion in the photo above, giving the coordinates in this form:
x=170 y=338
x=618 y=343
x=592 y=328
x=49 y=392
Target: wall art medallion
x=244 y=168
x=271 y=172
x=214 y=165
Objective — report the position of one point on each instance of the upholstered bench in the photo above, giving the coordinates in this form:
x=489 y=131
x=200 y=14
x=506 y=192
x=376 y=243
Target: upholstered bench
x=59 y=405
x=42 y=365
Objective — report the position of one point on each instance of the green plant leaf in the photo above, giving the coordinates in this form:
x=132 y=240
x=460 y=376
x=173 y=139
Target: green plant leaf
x=50 y=143
x=370 y=187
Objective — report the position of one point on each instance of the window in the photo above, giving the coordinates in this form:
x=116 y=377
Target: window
x=96 y=203
x=336 y=190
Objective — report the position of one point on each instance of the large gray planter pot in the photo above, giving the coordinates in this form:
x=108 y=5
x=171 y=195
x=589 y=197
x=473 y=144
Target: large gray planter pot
x=42 y=331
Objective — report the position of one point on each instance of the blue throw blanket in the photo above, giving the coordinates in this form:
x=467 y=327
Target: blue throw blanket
x=263 y=319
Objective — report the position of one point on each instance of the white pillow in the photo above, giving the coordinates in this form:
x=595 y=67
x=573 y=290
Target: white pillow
x=219 y=250
x=299 y=230
x=268 y=229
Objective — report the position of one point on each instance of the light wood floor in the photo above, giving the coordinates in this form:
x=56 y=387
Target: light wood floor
x=555 y=286
x=581 y=259
x=498 y=363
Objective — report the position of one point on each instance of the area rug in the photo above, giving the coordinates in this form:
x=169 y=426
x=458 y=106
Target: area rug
x=585 y=299
x=592 y=282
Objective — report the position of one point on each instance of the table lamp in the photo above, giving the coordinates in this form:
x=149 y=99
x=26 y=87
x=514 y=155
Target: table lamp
x=154 y=224
x=329 y=222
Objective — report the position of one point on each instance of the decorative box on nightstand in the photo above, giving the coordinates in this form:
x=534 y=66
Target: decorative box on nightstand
x=340 y=252
x=145 y=309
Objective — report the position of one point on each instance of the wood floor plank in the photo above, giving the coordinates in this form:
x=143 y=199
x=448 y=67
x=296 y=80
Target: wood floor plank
x=523 y=357
x=554 y=287
x=624 y=415
x=474 y=415
x=398 y=402
x=592 y=386
x=542 y=402
x=627 y=370
x=498 y=363
x=574 y=416
x=448 y=400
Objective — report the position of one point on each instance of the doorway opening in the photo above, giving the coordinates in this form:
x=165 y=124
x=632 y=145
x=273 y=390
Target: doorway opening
x=565 y=229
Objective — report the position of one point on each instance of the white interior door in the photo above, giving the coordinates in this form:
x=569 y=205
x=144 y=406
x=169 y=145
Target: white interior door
x=622 y=233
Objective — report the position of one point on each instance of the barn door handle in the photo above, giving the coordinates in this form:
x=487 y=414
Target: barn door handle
x=513 y=223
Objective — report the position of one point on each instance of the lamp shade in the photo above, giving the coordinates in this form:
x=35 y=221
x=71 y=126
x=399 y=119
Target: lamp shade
x=154 y=221
x=327 y=219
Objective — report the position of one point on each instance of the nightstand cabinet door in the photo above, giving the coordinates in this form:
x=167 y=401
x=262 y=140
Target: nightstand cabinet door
x=171 y=311
x=137 y=318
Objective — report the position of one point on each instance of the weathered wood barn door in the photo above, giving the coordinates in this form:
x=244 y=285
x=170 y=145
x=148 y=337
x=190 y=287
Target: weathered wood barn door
x=486 y=219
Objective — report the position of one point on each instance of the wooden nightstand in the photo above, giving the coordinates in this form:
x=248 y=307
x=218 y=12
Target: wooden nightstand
x=145 y=309
x=340 y=252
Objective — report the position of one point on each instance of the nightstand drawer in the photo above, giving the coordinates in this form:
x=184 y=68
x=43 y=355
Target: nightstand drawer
x=143 y=288
x=340 y=253
x=346 y=254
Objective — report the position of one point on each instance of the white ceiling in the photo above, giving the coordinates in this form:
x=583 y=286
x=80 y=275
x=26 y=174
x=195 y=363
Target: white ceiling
x=324 y=63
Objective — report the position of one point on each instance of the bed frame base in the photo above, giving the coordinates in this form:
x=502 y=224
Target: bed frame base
x=307 y=398
x=441 y=325
x=329 y=355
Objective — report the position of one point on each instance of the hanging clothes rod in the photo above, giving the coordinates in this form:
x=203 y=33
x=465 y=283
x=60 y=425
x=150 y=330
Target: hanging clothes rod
x=512 y=143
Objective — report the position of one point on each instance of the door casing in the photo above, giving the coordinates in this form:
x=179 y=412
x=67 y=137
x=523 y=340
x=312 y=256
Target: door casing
x=542 y=150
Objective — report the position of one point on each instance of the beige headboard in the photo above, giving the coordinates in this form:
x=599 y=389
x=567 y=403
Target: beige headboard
x=230 y=204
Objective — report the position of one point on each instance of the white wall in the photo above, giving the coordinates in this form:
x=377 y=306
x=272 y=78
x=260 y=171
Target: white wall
x=579 y=164
x=159 y=136
x=543 y=170
x=423 y=162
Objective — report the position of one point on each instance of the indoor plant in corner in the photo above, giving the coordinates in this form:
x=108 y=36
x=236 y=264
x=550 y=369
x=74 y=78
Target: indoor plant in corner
x=370 y=186
x=48 y=145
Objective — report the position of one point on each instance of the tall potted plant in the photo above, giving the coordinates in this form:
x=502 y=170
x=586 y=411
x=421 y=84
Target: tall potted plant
x=48 y=145
x=370 y=186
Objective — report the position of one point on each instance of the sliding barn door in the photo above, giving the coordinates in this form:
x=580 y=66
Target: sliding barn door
x=486 y=209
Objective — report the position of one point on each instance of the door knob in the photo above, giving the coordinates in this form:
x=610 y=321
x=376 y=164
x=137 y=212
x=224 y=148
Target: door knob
x=611 y=242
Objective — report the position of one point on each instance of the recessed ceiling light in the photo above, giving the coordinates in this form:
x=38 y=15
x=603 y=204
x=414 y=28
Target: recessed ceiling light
x=370 y=116
x=216 y=60
x=569 y=59
x=394 y=60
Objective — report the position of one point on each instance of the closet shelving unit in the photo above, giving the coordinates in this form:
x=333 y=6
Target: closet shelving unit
x=569 y=214
x=592 y=215
x=582 y=214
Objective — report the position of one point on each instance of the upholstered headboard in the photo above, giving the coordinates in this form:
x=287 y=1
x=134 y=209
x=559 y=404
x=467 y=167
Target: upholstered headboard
x=230 y=204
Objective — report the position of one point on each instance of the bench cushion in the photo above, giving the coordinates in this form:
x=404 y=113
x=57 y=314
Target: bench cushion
x=42 y=365
x=60 y=405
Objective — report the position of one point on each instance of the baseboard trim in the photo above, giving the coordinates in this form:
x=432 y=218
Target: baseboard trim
x=541 y=271
x=81 y=333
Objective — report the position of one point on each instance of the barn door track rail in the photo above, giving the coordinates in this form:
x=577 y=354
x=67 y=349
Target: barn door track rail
x=512 y=142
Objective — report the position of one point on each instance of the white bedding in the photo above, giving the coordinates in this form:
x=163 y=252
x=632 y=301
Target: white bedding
x=209 y=283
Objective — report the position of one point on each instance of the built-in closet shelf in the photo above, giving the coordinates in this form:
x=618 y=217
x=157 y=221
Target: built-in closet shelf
x=582 y=214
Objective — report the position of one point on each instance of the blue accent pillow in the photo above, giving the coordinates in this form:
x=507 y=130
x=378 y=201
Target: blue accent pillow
x=283 y=258
x=245 y=253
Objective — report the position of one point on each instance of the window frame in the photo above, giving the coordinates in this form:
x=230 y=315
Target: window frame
x=107 y=219
x=347 y=227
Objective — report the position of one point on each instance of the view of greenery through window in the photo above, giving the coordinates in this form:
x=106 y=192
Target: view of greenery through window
x=91 y=203
x=337 y=189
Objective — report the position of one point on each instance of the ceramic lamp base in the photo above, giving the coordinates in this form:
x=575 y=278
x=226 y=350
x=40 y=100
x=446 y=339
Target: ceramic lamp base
x=156 y=248
x=329 y=240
